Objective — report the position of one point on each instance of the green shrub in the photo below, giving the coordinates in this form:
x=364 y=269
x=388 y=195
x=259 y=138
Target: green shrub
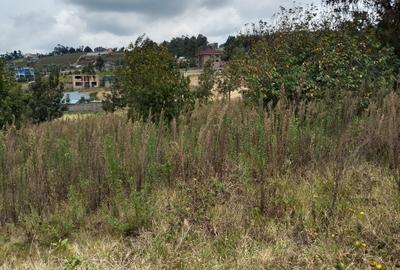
x=131 y=216
x=309 y=59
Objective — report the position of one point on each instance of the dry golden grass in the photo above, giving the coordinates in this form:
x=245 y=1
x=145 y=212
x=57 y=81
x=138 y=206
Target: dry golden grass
x=226 y=187
x=226 y=232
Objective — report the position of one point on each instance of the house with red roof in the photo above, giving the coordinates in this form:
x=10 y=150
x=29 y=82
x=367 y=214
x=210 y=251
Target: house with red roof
x=215 y=55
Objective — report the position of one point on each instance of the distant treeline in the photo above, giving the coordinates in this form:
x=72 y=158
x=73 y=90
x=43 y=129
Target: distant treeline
x=12 y=55
x=183 y=46
x=61 y=49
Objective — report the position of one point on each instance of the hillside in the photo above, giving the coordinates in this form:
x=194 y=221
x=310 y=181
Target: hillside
x=61 y=60
x=66 y=60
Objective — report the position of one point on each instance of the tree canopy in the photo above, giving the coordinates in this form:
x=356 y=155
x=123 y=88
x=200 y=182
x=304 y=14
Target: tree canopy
x=313 y=58
x=388 y=12
x=206 y=82
x=152 y=83
x=46 y=94
x=186 y=46
x=13 y=100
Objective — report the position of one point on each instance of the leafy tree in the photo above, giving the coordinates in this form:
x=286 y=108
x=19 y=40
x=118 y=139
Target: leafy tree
x=230 y=79
x=152 y=83
x=46 y=94
x=229 y=46
x=18 y=54
x=100 y=49
x=388 y=12
x=89 y=69
x=99 y=63
x=87 y=49
x=13 y=55
x=239 y=44
x=187 y=47
x=114 y=100
x=60 y=49
x=313 y=61
x=13 y=100
x=206 y=82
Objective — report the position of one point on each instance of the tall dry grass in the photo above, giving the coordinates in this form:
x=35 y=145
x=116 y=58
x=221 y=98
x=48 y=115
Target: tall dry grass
x=302 y=167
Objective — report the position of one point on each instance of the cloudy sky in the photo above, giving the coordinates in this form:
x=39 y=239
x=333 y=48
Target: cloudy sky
x=39 y=25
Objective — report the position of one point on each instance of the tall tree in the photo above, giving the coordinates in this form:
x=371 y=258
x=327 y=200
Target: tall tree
x=89 y=69
x=46 y=94
x=115 y=99
x=230 y=79
x=206 y=82
x=152 y=83
x=87 y=49
x=99 y=63
x=388 y=12
x=13 y=100
x=186 y=46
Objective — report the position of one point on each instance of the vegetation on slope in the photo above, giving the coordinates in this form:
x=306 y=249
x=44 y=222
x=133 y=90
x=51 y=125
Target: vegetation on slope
x=227 y=186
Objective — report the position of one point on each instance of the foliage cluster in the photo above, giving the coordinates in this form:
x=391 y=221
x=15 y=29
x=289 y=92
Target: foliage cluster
x=150 y=83
x=312 y=58
x=41 y=102
x=46 y=94
x=387 y=15
x=13 y=100
x=207 y=81
x=186 y=47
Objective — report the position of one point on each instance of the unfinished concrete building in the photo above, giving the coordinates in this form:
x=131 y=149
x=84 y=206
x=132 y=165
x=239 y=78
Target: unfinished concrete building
x=85 y=81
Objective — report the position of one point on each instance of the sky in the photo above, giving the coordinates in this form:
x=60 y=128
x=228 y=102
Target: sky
x=39 y=25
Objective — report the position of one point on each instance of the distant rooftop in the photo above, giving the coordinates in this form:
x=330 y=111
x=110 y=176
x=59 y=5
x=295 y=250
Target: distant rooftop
x=24 y=72
x=210 y=52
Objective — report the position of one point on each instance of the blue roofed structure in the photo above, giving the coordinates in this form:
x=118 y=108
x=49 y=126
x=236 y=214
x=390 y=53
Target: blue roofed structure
x=25 y=73
x=72 y=98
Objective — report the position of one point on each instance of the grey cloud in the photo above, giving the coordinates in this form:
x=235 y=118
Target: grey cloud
x=147 y=7
x=37 y=21
x=152 y=8
x=214 y=3
x=97 y=23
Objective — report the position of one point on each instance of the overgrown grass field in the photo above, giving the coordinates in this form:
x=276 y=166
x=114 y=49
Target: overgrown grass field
x=226 y=187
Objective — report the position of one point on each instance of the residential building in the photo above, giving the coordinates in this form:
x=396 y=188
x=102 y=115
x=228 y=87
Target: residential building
x=85 y=81
x=99 y=52
x=31 y=56
x=214 y=55
x=25 y=74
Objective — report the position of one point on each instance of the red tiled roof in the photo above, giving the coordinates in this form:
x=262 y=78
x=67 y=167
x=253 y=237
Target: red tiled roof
x=210 y=52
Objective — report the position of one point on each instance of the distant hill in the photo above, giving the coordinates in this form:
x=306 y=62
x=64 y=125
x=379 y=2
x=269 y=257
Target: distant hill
x=66 y=60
